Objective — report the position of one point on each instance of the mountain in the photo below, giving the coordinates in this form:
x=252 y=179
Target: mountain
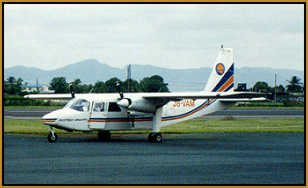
x=91 y=71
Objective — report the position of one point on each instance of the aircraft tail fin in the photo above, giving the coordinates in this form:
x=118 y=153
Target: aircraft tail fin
x=222 y=76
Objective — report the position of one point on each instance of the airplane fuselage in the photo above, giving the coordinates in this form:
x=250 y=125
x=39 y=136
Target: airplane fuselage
x=101 y=112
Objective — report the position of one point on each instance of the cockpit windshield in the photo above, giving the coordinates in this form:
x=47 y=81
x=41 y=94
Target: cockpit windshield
x=79 y=105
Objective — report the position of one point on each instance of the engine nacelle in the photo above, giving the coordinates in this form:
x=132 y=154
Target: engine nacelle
x=140 y=105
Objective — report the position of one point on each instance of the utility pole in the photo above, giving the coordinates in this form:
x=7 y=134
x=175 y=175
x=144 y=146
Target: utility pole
x=128 y=77
x=37 y=87
x=275 y=88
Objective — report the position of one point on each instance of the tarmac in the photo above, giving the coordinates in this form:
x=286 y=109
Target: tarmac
x=188 y=159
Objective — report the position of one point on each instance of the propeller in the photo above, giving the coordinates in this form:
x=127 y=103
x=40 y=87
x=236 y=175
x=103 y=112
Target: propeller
x=123 y=102
x=71 y=87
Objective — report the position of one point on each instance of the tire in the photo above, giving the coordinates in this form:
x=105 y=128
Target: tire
x=155 y=138
x=104 y=135
x=150 y=137
x=52 y=139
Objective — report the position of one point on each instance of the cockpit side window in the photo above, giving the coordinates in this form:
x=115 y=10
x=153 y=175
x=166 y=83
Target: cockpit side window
x=113 y=107
x=81 y=105
x=69 y=104
x=99 y=107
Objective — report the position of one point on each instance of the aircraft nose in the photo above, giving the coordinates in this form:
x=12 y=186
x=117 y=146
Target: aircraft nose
x=50 y=118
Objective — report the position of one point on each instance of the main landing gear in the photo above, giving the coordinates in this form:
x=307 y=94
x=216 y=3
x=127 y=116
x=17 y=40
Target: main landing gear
x=155 y=138
x=52 y=137
x=104 y=135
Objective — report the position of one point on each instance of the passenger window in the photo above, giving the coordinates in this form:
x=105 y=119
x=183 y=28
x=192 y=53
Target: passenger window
x=99 y=107
x=113 y=107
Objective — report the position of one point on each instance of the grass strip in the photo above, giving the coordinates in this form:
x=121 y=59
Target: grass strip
x=228 y=125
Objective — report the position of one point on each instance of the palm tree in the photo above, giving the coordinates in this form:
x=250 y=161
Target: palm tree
x=294 y=85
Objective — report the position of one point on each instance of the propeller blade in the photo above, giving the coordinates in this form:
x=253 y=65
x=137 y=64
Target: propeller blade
x=71 y=87
x=119 y=90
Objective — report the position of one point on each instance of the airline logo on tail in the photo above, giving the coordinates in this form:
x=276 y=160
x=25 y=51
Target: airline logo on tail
x=220 y=69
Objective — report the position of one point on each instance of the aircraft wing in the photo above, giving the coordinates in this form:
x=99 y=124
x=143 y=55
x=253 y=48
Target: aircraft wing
x=163 y=98
x=49 y=96
x=201 y=95
x=160 y=99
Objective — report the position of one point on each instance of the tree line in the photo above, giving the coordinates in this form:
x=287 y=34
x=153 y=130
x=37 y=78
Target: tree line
x=13 y=86
x=148 y=84
x=294 y=86
x=155 y=83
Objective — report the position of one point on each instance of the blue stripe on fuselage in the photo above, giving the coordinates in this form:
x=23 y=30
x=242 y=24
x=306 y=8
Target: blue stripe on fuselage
x=123 y=118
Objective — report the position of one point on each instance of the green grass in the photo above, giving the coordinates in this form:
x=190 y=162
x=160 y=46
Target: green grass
x=26 y=127
x=228 y=124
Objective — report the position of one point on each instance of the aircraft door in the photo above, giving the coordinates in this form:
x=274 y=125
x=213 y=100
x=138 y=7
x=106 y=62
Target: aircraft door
x=98 y=115
x=117 y=118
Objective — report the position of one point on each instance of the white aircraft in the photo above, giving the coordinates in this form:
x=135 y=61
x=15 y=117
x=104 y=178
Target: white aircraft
x=132 y=111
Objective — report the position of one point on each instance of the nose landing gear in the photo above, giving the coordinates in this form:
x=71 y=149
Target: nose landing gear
x=52 y=136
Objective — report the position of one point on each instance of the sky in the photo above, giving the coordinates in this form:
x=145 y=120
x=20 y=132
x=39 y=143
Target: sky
x=178 y=36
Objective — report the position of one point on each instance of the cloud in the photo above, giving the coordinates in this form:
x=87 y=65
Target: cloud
x=186 y=35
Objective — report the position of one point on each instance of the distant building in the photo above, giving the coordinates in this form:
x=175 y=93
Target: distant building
x=39 y=89
x=241 y=87
x=29 y=89
x=297 y=97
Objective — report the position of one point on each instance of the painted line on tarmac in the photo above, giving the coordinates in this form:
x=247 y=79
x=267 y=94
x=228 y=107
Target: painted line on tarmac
x=22 y=118
x=26 y=111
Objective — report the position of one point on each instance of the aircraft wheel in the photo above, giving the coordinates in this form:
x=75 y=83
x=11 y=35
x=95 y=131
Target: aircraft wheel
x=104 y=135
x=155 y=138
x=150 y=137
x=158 y=138
x=52 y=137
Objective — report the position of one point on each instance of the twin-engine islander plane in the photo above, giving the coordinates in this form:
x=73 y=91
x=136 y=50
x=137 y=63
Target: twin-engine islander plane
x=131 y=111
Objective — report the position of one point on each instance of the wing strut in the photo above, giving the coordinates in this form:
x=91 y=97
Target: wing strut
x=156 y=136
x=157 y=120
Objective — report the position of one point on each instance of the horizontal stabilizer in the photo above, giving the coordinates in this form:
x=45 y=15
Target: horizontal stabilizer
x=260 y=99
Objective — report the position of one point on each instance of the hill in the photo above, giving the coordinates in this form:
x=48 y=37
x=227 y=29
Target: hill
x=91 y=70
